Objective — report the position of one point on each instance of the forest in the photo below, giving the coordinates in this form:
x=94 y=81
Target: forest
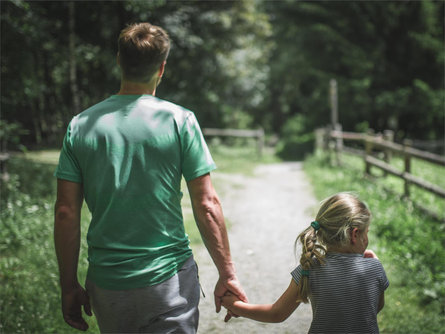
x=245 y=64
x=236 y=64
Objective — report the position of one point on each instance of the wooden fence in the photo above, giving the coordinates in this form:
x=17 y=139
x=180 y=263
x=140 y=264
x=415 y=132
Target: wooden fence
x=333 y=139
x=258 y=135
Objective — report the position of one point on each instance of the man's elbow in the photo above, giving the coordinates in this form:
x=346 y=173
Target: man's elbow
x=63 y=212
x=208 y=204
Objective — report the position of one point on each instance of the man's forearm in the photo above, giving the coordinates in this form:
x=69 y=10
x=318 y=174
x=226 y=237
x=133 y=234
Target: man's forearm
x=210 y=221
x=67 y=245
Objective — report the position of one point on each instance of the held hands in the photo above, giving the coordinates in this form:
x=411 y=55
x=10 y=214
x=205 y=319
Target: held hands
x=230 y=301
x=226 y=287
x=72 y=302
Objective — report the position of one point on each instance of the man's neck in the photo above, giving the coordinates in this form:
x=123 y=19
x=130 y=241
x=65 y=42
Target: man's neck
x=137 y=88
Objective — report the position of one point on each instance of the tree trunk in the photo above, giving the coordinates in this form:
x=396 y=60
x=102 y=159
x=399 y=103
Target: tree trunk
x=72 y=59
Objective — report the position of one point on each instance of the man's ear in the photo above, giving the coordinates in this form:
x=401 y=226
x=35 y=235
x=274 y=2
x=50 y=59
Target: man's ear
x=354 y=235
x=162 y=68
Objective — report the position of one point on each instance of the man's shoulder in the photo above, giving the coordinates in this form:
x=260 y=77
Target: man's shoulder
x=180 y=113
x=169 y=106
x=95 y=108
x=137 y=104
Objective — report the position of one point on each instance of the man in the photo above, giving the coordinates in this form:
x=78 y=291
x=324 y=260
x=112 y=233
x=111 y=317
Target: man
x=126 y=156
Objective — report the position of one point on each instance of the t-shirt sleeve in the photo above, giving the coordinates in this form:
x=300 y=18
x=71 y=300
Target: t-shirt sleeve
x=384 y=282
x=196 y=158
x=68 y=167
x=296 y=274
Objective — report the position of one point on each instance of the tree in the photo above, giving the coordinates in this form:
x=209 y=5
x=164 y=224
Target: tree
x=235 y=64
x=60 y=57
x=387 y=57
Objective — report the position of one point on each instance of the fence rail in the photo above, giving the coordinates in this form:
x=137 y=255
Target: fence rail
x=379 y=142
x=258 y=135
x=334 y=139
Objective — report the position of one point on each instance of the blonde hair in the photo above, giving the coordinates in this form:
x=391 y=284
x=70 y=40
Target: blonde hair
x=143 y=47
x=337 y=216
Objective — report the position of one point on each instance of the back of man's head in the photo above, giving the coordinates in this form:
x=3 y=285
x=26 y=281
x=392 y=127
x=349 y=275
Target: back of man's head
x=142 y=49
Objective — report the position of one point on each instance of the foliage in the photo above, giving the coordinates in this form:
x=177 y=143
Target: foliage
x=296 y=141
x=218 y=71
x=409 y=243
x=213 y=71
x=10 y=135
x=237 y=64
x=364 y=45
x=29 y=298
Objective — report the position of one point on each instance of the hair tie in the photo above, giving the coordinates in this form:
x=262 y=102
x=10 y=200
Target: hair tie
x=316 y=225
x=305 y=273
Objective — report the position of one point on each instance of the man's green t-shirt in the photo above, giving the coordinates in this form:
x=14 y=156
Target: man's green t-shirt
x=130 y=152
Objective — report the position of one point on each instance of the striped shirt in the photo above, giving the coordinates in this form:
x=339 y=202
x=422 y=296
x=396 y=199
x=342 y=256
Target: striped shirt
x=344 y=293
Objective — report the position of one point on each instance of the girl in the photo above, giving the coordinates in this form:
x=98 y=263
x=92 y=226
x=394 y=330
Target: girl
x=344 y=283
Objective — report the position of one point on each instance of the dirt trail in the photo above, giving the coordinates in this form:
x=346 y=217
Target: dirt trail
x=265 y=212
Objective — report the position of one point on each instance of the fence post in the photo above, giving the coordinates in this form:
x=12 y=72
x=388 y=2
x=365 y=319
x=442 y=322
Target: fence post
x=320 y=134
x=330 y=144
x=333 y=97
x=260 y=141
x=407 y=158
x=388 y=135
x=338 y=143
x=368 y=149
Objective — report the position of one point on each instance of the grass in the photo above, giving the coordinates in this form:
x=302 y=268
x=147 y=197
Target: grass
x=409 y=242
x=30 y=295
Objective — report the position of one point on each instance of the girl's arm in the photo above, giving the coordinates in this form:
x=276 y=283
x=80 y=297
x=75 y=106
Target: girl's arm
x=276 y=312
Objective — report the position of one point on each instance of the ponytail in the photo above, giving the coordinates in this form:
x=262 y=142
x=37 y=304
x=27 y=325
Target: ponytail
x=313 y=253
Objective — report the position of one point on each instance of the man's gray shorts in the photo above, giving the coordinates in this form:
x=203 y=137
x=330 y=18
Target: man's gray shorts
x=168 y=307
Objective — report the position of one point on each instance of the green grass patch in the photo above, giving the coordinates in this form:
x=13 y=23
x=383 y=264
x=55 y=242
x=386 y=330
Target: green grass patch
x=30 y=295
x=42 y=156
x=240 y=159
x=409 y=242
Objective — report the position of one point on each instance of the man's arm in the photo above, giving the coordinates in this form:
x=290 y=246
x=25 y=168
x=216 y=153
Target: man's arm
x=67 y=243
x=210 y=220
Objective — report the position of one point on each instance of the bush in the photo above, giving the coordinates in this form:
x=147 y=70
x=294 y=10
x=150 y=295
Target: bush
x=295 y=142
x=30 y=295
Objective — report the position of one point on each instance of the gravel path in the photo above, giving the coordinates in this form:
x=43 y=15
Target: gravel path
x=265 y=213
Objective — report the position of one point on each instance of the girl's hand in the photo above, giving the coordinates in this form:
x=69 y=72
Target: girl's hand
x=228 y=301
x=370 y=254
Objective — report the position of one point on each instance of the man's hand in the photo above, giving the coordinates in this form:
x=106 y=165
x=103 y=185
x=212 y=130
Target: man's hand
x=72 y=302
x=229 y=285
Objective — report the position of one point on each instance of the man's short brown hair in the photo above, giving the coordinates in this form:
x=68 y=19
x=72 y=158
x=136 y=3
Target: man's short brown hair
x=142 y=49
